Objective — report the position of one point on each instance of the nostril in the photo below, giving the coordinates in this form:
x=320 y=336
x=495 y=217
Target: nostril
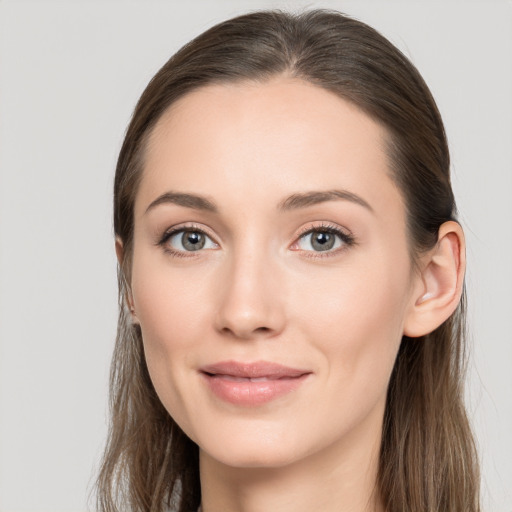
x=246 y=333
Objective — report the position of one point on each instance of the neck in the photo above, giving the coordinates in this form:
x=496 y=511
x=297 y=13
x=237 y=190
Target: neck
x=340 y=478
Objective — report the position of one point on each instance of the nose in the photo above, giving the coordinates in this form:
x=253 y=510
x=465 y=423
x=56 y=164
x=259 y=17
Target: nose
x=250 y=302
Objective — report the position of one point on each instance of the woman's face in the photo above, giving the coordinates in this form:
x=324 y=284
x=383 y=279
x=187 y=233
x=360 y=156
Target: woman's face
x=271 y=275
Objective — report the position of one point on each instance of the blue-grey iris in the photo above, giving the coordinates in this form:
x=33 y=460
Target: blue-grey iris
x=322 y=241
x=193 y=240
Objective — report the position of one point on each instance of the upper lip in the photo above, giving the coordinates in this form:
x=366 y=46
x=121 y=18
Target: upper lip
x=253 y=370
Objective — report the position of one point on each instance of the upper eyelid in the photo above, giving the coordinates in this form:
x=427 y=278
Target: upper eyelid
x=316 y=226
x=187 y=227
x=325 y=226
x=302 y=231
x=169 y=233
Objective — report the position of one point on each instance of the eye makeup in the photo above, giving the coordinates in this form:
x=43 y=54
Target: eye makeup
x=328 y=232
x=330 y=240
x=192 y=229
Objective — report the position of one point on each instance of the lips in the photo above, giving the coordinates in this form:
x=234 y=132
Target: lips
x=252 y=384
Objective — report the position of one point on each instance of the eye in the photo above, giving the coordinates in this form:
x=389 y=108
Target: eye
x=186 y=240
x=323 y=239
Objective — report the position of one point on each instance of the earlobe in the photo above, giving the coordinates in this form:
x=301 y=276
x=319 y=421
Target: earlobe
x=128 y=294
x=119 y=251
x=440 y=283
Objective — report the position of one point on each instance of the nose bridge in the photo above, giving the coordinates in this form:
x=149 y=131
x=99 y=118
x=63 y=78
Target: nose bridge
x=249 y=300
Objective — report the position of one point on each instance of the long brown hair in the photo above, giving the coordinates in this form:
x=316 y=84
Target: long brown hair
x=428 y=461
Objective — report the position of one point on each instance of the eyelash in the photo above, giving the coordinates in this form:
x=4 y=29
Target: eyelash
x=168 y=235
x=346 y=238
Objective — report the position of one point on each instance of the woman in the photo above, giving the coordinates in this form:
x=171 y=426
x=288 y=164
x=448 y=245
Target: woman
x=291 y=281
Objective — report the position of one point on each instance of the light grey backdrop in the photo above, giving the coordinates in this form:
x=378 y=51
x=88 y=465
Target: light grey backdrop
x=70 y=73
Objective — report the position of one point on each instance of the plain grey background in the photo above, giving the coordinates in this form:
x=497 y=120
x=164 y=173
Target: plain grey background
x=70 y=74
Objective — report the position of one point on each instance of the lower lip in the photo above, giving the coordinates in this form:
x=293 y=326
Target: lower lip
x=248 y=392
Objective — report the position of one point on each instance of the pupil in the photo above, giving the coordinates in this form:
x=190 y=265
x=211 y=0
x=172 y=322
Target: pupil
x=323 y=241
x=192 y=240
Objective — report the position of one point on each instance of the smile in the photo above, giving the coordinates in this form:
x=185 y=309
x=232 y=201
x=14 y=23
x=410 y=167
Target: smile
x=252 y=384
x=244 y=379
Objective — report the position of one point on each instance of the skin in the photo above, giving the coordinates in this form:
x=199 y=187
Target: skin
x=260 y=291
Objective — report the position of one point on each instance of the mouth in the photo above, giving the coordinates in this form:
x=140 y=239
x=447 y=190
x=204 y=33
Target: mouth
x=251 y=384
x=244 y=379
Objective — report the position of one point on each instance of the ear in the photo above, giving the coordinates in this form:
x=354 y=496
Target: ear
x=439 y=286
x=128 y=296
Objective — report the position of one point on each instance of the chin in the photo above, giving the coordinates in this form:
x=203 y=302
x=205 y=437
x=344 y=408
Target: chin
x=263 y=449
x=254 y=459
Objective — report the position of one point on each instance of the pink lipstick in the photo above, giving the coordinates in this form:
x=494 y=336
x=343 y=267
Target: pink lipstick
x=252 y=383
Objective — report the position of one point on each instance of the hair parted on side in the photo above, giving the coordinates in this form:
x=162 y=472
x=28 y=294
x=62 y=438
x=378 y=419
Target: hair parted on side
x=428 y=461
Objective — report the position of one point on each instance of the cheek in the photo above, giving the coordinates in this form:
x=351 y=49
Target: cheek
x=168 y=306
x=354 y=323
x=355 y=319
x=167 y=300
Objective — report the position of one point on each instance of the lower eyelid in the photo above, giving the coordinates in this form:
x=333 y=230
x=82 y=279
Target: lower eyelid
x=345 y=238
x=181 y=228
x=340 y=244
x=179 y=233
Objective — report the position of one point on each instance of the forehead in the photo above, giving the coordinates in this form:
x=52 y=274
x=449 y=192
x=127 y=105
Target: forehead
x=244 y=140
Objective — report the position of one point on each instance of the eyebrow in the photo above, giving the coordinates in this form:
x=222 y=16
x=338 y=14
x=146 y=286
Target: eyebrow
x=305 y=199
x=187 y=200
x=293 y=202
